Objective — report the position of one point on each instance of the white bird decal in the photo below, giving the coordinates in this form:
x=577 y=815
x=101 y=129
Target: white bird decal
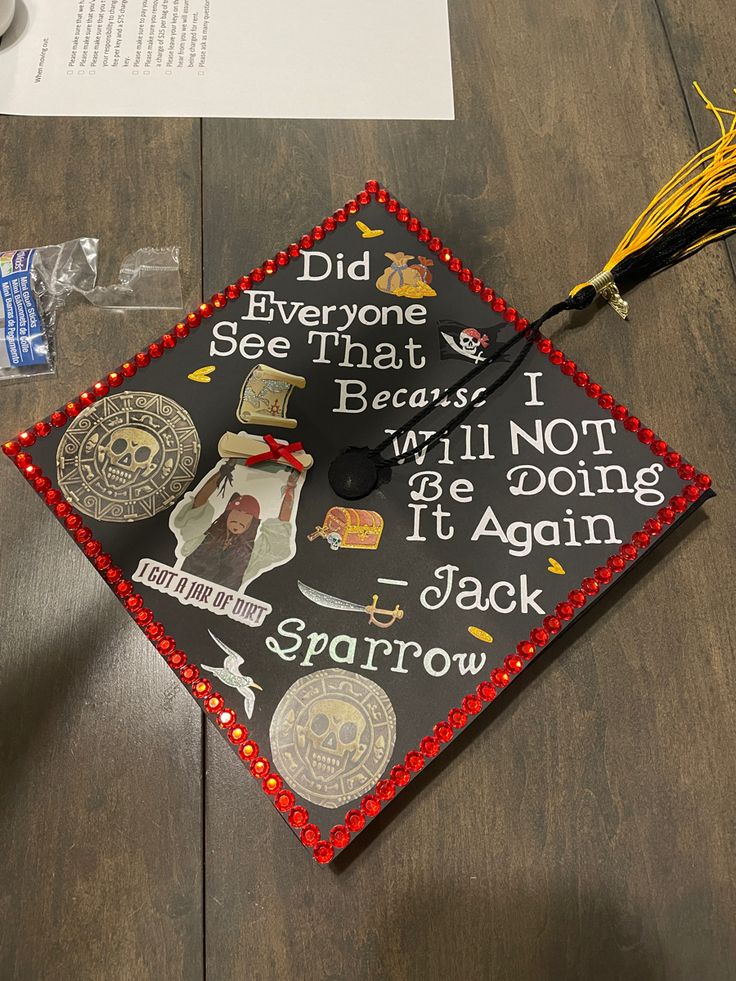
x=229 y=674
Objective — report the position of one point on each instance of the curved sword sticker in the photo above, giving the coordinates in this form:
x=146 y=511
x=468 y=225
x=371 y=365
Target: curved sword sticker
x=336 y=603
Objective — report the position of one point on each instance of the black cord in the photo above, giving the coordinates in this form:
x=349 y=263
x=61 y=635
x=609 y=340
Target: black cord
x=530 y=335
x=359 y=470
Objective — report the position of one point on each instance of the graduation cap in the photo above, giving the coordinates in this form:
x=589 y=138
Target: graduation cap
x=431 y=526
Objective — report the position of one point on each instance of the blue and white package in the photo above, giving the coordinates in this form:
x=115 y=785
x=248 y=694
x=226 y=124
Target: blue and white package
x=21 y=325
x=34 y=284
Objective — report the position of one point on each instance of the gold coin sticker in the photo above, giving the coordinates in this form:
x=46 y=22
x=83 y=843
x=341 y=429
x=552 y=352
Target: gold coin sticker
x=128 y=456
x=332 y=736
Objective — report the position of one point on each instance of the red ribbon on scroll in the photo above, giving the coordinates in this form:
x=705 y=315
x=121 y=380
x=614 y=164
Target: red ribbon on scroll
x=278 y=451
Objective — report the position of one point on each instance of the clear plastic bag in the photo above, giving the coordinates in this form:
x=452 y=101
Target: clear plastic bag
x=35 y=284
x=149 y=280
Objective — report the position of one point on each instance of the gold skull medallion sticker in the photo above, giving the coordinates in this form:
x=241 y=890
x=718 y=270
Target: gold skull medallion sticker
x=128 y=457
x=332 y=736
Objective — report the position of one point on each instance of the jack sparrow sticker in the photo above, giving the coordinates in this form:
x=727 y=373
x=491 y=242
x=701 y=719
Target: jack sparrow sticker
x=239 y=523
x=128 y=456
x=332 y=736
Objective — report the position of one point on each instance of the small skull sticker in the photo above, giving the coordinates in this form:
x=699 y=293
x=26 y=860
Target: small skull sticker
x=472 y=341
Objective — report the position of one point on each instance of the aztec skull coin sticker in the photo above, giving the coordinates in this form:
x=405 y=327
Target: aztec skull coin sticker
x=332 y=736
x=128 y=457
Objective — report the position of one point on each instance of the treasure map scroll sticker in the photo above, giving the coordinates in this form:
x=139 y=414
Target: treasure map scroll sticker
x=332 y=736
x=244 y=446
x=264 y=399
x=128 y=457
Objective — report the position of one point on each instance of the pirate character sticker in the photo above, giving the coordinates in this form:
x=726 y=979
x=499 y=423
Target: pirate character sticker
x=349 y=528
x=264 y=398
x=403 y=279
x=239 y=523
x=232 y=538
x=128 y=457
x=332 y=736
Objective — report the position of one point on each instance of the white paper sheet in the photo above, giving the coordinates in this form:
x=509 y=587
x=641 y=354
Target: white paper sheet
x=351 y=59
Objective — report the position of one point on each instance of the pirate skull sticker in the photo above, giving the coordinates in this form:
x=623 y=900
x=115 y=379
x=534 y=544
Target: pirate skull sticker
x=128 y=454
x=128 y=457
x=472 y=341
x=461 y=341
x=332 y=736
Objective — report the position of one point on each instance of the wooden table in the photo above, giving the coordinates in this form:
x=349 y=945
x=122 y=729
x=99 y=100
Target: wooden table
x=133 y=846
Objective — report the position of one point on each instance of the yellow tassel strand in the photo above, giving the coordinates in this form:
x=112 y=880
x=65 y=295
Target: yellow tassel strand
x=696 y=189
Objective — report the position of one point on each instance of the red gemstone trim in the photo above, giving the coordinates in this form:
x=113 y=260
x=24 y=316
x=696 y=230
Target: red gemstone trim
x=502 y=675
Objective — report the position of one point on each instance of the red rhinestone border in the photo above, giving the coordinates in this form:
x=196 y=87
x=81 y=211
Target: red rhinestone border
x=213 y=703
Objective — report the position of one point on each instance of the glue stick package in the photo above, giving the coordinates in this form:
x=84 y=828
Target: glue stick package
x=34 y=285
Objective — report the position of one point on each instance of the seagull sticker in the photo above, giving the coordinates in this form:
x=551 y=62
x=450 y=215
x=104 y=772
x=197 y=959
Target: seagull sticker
x=229 y=674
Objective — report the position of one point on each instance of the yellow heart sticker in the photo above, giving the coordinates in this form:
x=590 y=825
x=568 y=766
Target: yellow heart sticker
x=554 y=566
x=202 y=374
x=480 y=634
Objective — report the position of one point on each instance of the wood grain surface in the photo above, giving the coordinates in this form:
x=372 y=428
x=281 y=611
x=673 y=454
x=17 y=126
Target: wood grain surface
x=585 y=831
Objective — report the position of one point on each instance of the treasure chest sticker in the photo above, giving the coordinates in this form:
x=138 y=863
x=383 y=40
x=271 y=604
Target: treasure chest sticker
x=345 y=527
